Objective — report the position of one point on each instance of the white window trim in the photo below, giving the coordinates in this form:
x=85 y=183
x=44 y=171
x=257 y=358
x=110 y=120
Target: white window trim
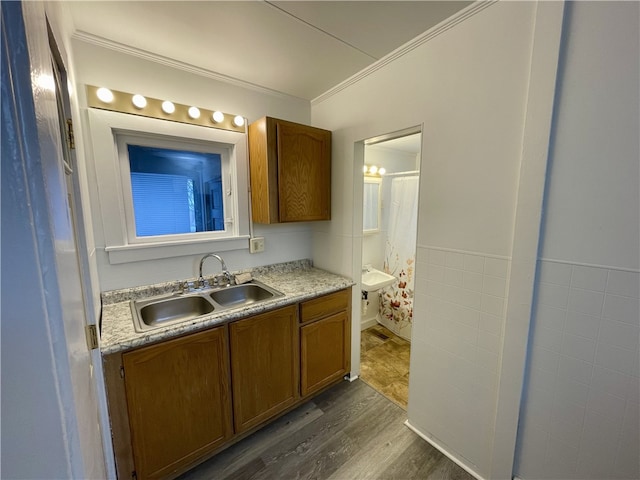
x=228 y=181
x=122 y=246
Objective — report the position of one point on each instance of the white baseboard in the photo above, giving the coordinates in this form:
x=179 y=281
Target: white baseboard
x=351 y=377
x=368 y=323
x=444 y=451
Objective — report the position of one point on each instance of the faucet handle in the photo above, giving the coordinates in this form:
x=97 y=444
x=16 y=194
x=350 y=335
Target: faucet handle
x=223 y=279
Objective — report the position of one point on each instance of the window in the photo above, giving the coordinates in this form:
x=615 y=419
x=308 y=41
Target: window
x=167 y=189
x=175 y=191
x=175 y=188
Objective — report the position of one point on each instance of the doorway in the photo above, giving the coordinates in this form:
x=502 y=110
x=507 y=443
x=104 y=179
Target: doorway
x=391 y=173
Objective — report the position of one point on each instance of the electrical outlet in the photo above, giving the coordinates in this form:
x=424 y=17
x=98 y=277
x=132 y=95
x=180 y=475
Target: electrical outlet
x=256 y=244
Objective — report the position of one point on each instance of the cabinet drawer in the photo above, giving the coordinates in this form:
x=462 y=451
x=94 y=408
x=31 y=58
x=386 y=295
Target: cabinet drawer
x=324 y=306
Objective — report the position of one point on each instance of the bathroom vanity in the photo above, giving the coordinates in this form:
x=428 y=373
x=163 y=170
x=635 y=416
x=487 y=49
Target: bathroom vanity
x=180 y=393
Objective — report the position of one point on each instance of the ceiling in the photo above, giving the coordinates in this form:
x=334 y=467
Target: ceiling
x=300 y=48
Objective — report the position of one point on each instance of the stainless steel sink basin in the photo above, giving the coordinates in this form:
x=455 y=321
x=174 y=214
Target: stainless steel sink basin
x=239 y=295
x=156 y=313
x=162 y=311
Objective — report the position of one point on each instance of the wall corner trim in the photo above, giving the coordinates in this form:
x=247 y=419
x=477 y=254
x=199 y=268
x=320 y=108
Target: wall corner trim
x=399 y=52
x=545 y=55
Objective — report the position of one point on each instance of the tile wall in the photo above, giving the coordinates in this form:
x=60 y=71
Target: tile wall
x=580 y=412
x=457 y=334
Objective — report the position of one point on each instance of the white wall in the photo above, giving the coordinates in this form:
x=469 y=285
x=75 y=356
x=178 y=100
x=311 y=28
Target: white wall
x=592 y=192
x=97 y=65
x=580 y=412
x=467 y=86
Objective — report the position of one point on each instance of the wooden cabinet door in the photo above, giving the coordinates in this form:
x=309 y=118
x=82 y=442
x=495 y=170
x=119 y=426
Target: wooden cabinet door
x=179 y=402
x=264 y=366
x=304 y=172
x=325 y=352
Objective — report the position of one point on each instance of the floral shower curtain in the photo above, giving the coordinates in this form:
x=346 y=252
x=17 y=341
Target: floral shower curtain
x=396 y=301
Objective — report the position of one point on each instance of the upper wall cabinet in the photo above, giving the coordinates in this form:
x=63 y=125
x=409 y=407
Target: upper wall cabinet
x=290 y=168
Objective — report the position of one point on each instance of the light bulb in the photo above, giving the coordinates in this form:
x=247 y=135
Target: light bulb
x=168 y=107
x=382 y=171
x=238 y=121
x=373 y=169
x=139 y=101
x=105 y=95
x=364 y=169
x=194 y=112
x=217 y=116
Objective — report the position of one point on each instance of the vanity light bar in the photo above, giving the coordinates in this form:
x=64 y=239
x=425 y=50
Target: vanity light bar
x=136 y=104
x=373 y=171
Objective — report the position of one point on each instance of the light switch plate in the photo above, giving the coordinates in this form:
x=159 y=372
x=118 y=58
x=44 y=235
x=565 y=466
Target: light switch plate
x=256 y=244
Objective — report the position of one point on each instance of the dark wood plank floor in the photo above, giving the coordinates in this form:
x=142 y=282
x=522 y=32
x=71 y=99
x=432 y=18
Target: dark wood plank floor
x=348 y=432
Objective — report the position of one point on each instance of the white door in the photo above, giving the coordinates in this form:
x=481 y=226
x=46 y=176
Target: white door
x=76 y=300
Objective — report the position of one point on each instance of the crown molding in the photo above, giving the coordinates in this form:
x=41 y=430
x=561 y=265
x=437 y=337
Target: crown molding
x=170 y=62
x=399 y=52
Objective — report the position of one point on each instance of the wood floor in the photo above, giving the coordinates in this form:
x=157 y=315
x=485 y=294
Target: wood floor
x=384 y=363
x=348 y=432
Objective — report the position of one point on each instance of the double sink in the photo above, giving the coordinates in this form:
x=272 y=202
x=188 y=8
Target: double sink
x=180 y=307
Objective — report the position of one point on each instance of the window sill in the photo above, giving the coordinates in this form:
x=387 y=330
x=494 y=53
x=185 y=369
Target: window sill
x=151 y=251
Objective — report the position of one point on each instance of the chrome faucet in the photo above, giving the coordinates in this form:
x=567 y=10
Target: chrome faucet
x=225 y=273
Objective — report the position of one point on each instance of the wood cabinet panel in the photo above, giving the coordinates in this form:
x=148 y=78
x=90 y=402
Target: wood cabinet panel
x=264 y=366
x=179 y=401
x=326 y=305
x=263 y=171
x=304 y=172
x=118 y=415
x=290 y=168
x=325 y=352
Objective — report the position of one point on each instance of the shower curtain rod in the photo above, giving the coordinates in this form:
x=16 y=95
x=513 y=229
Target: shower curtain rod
x=398 y=174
